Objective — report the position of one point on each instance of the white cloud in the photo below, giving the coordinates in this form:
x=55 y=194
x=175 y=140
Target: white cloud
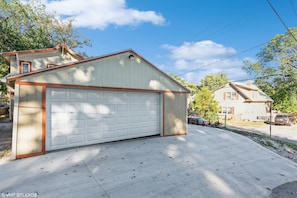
x=99 y=14
x=195 y=60
x=203 y=50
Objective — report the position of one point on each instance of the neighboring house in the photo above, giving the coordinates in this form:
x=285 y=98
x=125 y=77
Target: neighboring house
x=23 y=62
x=243 y=102
x=63 y=100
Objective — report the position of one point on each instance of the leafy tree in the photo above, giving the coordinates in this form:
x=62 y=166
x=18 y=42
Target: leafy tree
x=214 y=81
x=28 y=26
x=63 y=32
x=276 y=70
x=191 y=86
x=205 y=104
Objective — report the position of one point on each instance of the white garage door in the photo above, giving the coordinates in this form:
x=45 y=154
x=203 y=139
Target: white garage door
x=77 y=117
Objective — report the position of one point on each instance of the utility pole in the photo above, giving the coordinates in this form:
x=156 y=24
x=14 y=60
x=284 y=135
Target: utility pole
x=270 y=109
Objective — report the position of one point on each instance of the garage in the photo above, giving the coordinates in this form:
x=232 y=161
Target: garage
x=66 y=100
x=78 y=117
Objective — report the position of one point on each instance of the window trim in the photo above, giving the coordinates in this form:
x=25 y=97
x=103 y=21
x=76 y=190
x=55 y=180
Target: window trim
x=230 y=95
x=21 y=66
x=227 y=110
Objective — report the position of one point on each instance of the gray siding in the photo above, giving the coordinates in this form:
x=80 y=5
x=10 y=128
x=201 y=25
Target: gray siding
x=29 y=120
x=175 y=114
x=40 y=60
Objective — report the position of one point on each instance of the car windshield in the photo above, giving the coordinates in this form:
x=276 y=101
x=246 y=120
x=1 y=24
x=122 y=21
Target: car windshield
x=281 y=116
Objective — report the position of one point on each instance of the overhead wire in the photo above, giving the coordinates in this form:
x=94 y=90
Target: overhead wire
x=220 y=30
x=243 y=51
x=292 y=5
x=281 y=20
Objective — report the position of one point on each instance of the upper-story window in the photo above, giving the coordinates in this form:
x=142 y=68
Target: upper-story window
x=25 y=67
x=230 y=96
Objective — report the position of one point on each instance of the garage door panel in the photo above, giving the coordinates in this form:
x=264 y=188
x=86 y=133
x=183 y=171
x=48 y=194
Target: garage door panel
x=122 y=120
x=58 y=108
x=93 y=122
x=134 y=119
x=100 y=108
x=122 y=133
x=122 y=108
x=76 y=139
x=94 y=137
x=76 y=124
x=135 y=107
x=58 y=141
x=57 y=94
x=77 y=117
x=73 y=94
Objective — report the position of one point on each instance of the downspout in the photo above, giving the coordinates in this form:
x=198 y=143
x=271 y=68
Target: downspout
x=17 y=60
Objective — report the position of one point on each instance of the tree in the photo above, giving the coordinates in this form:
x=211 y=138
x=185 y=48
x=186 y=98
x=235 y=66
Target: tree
x=28 y=26
x=190 y=86
x=214 y=81
x=276 y=70
x=205 y=104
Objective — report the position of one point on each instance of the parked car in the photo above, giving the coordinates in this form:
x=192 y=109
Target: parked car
x=202 y=122
x=192 y=119
x=284 y=119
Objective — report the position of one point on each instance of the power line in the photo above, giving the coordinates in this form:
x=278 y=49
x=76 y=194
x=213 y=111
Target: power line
x=261 y=77
x=292 y=5
x=276 y=13
x=241 y=52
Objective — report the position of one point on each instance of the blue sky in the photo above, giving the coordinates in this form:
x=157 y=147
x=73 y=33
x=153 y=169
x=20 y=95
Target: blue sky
x=190 y=38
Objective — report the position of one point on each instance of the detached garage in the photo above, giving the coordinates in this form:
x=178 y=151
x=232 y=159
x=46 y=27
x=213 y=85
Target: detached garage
x=63 y=100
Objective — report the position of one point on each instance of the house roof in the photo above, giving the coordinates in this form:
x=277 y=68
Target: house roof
x=132 y=52
x=6 y=55
x=247 y=91
x=250 y=92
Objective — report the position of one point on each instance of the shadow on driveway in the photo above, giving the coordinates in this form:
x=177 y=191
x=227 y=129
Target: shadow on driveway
x=207 y=162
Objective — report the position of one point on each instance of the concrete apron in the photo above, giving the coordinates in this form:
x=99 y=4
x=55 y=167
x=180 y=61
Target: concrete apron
x=207 y=162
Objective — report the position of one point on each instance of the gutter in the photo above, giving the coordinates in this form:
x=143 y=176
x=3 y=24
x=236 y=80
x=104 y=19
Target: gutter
x=4 y=79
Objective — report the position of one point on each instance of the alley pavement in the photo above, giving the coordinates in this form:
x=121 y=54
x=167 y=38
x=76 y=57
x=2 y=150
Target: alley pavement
x=208 y=162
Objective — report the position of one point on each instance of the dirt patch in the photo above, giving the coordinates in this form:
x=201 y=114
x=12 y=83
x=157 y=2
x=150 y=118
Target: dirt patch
x=287 y=190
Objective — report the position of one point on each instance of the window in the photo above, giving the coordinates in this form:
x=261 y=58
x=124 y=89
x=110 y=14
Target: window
x=25 y=67
x=230 y=95
x=227 y=110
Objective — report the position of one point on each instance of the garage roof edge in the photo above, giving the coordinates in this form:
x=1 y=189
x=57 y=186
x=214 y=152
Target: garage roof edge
x=15 y=77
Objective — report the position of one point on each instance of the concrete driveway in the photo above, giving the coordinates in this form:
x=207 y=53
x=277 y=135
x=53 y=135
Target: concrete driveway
x=208 y=162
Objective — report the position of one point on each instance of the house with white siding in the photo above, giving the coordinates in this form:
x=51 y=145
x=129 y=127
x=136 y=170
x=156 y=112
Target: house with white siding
x=240 y=101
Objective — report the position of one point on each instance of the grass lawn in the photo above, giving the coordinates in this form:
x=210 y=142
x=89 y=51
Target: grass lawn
x=244 y=123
